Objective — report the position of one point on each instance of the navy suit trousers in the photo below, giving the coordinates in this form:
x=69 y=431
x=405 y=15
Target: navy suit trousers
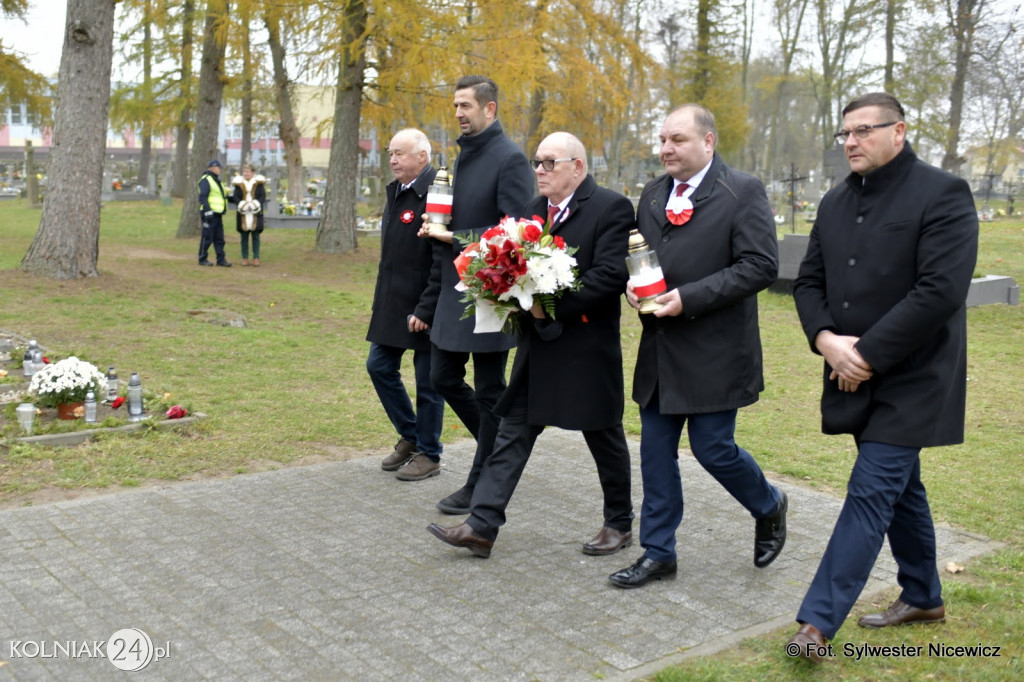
x=712 y=442
x=421 y=426
x=885 y=496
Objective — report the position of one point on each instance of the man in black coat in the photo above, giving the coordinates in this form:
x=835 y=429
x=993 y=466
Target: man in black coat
x=402 y=312
x=492 y=179
x=699 y=359
x=568 y=369
x=881 y=295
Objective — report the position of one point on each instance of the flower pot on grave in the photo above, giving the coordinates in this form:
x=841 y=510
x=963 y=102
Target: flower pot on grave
x=70 y=410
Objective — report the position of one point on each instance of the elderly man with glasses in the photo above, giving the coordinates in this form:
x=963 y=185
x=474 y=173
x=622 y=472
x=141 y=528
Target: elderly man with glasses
x=568 y=369
x=881 y=295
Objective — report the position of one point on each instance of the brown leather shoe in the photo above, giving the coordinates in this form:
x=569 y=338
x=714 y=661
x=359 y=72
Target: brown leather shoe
x=809 y=643
x=899 y=613
x=608 y=541
x=463 y=535
x=418 y=468
x=404 y=450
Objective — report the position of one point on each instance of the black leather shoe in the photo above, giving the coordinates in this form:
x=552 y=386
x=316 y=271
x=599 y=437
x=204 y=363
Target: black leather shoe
x=770 y=534
x=206 y=262
x=608 y=541
x=457 y=502
x=642 y=572
x=224 y=264
x=900 y=613
x=463 y=535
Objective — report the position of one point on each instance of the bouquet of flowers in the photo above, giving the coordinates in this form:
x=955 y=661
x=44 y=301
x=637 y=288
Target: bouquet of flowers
x=514 y=265
x=66 y=381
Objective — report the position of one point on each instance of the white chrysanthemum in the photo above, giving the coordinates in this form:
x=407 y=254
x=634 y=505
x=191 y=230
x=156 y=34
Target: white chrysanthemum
x=66 y=381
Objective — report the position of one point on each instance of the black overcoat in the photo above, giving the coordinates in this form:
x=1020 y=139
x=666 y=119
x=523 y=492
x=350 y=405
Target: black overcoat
x=890 y=260
x=405 y=262
x=492 y=179
x=707 y=359
x=572 y=366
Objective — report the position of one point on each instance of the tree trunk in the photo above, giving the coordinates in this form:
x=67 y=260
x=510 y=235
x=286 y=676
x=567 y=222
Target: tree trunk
x=336 y=232
x=891 y=8
x=246 y=89
x=146 y=152
x=287 y=130
x=211 y=93
x=702 y=67
x=184 y=127
x=963 y=20
x=67 y=243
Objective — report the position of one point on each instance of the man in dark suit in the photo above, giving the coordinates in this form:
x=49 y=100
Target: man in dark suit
x=402 y=311
x=699 y=359
x=492 y=179
x=568 y=369
x=881 y=295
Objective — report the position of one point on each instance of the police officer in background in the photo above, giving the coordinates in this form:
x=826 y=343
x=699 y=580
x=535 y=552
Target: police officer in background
x=213 y=202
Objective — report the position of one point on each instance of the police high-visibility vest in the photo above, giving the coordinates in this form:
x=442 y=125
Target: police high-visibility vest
x=217 y=201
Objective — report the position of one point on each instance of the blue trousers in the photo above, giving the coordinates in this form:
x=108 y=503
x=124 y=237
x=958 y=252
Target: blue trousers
x=885 y=496
x=713 y=445
x=422 y=427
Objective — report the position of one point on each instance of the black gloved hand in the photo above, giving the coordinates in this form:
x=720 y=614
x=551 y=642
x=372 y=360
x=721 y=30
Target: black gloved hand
x=206 y=225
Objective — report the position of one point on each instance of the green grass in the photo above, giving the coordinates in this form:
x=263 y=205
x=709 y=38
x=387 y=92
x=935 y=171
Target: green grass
x=292 y=388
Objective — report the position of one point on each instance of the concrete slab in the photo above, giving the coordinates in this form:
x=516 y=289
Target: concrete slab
x=328 y=572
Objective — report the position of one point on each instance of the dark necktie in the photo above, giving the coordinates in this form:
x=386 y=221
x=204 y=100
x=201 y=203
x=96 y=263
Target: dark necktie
x=552 y=214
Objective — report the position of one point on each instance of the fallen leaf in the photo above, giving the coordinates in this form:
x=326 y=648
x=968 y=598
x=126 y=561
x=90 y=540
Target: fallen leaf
x=953 y=567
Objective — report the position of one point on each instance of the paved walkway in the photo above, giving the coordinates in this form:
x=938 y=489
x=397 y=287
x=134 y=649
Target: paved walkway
x=327 y=572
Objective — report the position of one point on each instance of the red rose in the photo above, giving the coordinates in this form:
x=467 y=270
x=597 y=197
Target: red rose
x=531 y=233
x=46 y=360
x=559 y=242
x=492 y=233
x=118 y=402
x=176 y=412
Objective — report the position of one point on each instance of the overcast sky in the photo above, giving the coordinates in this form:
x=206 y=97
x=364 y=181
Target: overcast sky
x=41 y=39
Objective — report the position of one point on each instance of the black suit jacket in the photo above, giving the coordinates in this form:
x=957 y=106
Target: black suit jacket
x=890 y=260
x=708 y=359
x=571 y=367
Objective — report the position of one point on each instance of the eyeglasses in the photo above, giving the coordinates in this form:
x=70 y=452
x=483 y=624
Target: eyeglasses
x=860 y=132
x=549 y=164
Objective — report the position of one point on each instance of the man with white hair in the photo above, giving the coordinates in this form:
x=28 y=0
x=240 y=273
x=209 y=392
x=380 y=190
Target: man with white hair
x=568 y=369
x=401 y=316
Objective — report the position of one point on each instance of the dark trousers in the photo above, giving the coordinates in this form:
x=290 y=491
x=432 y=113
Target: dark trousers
x=473 y=406
x=512 y=447
x=255 y=244
x=212 y=235
x=885 y=496
x=714 y=447
x=422 y=427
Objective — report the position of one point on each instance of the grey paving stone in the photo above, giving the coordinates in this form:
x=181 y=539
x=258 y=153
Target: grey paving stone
x=327 y=572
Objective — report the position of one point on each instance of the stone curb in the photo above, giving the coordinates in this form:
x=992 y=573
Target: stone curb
x=57 y=440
